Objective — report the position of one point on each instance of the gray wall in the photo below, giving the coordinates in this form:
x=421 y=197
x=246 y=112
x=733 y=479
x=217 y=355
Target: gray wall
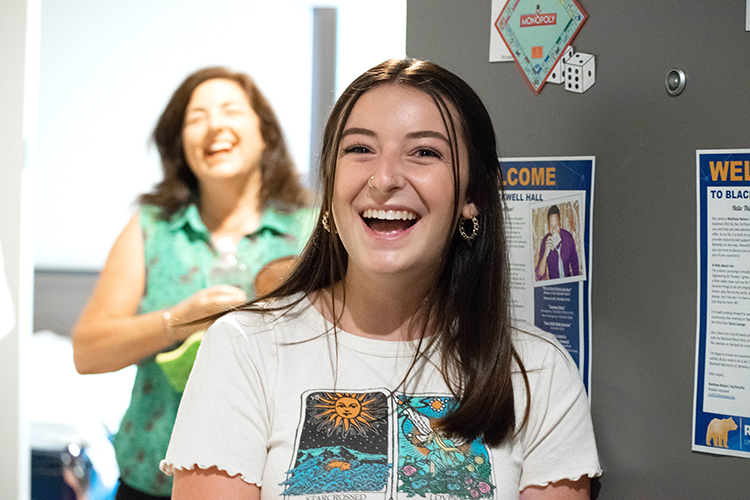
x=644 y=236
x=59 y=298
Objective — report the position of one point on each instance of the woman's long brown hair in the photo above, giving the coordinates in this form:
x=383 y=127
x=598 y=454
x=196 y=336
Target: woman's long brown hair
x=468 y=309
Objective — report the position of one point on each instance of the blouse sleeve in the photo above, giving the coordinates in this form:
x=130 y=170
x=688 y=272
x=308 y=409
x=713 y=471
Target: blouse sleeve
x=223 y=419
x=558 y=440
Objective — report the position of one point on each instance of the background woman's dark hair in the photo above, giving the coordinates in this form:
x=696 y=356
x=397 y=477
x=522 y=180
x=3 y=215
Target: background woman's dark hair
x=279 y=177
x=470 y=305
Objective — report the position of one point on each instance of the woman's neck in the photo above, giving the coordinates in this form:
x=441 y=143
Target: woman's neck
x=383 y=309
x=229 y=211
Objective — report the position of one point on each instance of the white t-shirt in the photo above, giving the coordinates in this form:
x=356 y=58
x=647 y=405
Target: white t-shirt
x=278 y=403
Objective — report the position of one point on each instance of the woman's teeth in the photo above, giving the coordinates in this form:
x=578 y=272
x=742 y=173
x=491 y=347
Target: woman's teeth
x=219 y=146
x=389 y=214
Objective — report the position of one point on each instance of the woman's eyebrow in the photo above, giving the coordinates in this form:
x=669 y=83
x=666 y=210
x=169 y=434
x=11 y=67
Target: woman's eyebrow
x=233 y=102
x=427 y=133
x=225 y=104
x=358 y=130
x=412 y=135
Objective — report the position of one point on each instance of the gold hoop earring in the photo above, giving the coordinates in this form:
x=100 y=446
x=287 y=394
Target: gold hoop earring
x=324 y=221
x=474 y=232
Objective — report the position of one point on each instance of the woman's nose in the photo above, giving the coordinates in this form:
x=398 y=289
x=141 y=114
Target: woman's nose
x=388 y=174
x=217 y=120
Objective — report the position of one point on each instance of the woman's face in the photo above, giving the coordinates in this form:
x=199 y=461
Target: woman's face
x=221 y=134
x=396 y=140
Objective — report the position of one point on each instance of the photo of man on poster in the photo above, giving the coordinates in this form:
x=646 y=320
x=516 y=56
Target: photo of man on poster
x=558 y=251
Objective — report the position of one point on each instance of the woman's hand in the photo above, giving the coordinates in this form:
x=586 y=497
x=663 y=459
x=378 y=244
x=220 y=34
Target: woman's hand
x=110 y=335
x=273 y=274
x=201 y=304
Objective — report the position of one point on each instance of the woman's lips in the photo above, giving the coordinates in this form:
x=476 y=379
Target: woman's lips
x=389 y=220
x=218 y=147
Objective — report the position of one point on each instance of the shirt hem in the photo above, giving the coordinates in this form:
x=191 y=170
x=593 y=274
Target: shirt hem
x=169 y=469
x=570 y=477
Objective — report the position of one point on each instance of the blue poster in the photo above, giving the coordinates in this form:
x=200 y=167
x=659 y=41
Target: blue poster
x=549 y=212
x=721 y=412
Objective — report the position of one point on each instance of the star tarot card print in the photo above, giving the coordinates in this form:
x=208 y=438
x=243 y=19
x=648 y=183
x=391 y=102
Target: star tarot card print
x=431 y=464
x=342 y=445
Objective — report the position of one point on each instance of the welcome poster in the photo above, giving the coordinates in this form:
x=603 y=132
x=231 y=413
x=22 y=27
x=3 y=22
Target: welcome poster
x=549 y=212
x=721 y=413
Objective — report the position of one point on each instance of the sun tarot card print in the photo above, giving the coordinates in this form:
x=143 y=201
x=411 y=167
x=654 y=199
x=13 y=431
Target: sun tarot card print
x=432 y=465
x=342 y=446
x=374 y=445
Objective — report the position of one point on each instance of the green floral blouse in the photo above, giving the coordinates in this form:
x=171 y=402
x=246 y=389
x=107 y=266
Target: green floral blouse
x=179 y=255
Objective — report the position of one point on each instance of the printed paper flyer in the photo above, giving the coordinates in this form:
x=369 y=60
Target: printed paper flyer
x=721 y=413
x=549 y=208
x=499 y=52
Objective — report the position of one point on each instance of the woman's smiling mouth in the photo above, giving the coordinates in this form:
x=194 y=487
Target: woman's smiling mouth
x=217 y=147
x=389 y=220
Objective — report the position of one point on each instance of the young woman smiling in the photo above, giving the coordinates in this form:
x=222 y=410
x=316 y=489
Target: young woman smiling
x=388 y=365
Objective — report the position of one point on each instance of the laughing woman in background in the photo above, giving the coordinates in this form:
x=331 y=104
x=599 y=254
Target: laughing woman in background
x=229 y=184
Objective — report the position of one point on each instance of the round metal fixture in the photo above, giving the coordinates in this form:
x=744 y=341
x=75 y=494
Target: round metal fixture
x=675 y=81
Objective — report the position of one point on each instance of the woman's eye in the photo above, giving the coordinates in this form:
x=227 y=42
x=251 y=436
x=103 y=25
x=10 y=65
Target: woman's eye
x=428 y=153
x=357 y=149
x=193 y=119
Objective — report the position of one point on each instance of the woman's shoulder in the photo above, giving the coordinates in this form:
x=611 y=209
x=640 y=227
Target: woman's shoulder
x=290 y=219
x=150 y=212
x=283 y=319
x=152 y=218
x=286 y=210
x=160 y=214
x=536 y=346
x=526 y=333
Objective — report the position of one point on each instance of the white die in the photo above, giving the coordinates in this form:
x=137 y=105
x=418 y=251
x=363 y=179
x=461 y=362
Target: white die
x=579 y=72
x=556 y=75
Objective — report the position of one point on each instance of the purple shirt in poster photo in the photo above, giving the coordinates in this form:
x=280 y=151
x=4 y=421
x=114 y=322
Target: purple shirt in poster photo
x=558 y=250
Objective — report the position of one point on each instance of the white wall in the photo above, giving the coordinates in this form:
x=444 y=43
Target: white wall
x=14 y=451
x=368 y=34
x=108 y=69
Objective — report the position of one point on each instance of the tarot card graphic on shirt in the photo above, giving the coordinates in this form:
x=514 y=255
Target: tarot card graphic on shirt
x=342 y=445
x=433 y=465
x=375 y=445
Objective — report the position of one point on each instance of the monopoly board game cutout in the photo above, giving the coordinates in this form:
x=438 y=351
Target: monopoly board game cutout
x=537 y=32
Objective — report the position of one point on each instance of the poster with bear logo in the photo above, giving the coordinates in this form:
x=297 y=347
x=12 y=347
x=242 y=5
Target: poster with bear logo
x=721 y=410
